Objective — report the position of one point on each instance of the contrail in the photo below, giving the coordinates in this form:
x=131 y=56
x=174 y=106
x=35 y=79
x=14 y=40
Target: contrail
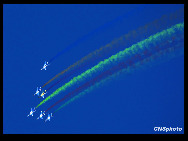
x=137 y=58
x=144 y=45
x=125 y=70
x=120 y=43
x=71 y=46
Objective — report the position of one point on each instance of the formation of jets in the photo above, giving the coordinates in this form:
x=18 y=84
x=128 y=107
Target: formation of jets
x=41 y=115
x=41 y=95
x=38 y=91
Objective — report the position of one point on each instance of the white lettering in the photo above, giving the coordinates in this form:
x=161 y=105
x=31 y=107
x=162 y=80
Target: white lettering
x=165 y=129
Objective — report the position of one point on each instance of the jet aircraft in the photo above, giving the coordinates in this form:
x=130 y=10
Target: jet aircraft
x=41 y=115
x=43 y=93
x=49 y=116
x=45 y=65
x=37 y=92
x=31 y=112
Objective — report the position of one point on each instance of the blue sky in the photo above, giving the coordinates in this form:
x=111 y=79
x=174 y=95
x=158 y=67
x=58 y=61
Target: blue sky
x=134 y=103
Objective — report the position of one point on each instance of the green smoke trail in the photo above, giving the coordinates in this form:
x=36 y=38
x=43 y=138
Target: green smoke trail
x=148 y=43
x=138 y=65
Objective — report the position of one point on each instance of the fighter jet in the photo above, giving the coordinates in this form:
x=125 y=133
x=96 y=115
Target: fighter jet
x=45 y=65
x=37 y=92
x=31 y=112
x=40 y=89
x=43 y=93
x=41 y=115
x=49 y=116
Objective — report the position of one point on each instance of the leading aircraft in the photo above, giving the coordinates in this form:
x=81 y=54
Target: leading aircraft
x=49 y=116
x=31 y=112
x=45 y=65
